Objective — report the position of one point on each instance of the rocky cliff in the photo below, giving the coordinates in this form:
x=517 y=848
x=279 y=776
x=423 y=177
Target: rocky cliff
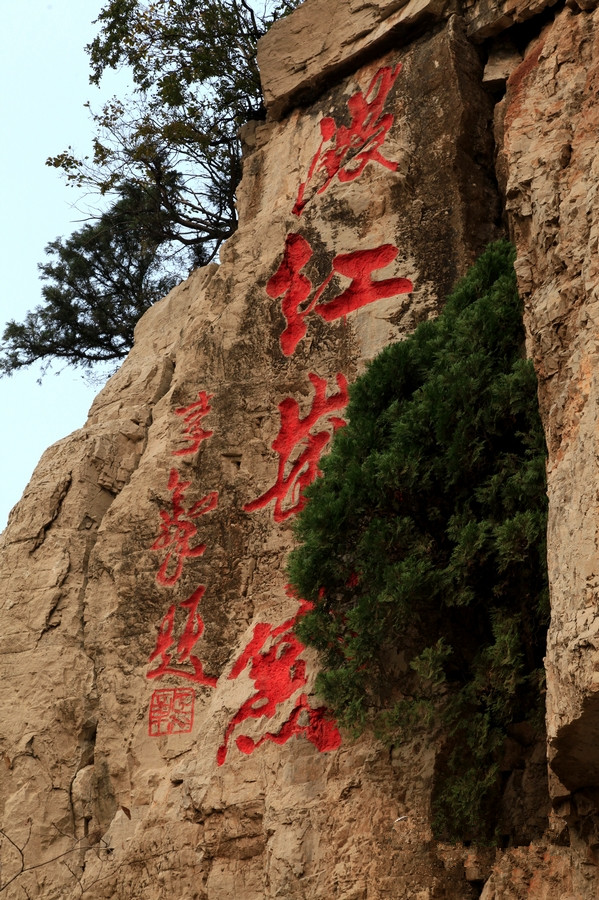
x=159 y=732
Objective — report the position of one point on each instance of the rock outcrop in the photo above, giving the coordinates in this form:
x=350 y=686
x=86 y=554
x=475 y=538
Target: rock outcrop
x=160 y=734
x=550 y=174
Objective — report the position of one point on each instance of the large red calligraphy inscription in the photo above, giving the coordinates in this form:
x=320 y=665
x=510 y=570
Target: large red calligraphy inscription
x=178 y=529
x=184 y=658
x=295 y=288
x=297 y=437
x=275 y=667
x=171 y=709
x=273 y=655
x=192 y=416
x=356 y=145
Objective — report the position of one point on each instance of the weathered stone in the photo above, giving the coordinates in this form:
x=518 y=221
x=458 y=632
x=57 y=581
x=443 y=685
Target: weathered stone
x=541 y=872
x=552 y=197
x=323 y=40
x=48 y=701
x=504 y=57
x=586 y=5
x=488 y=18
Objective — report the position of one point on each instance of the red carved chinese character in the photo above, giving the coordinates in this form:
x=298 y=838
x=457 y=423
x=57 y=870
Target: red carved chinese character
x=363 y=290
x=294 y=476
x=177 y=530
x=192 y=416
x=191 y=635
x=357 y=145
x=295 y=288
x=171 y=712
x=275 y=667
x=320 y=729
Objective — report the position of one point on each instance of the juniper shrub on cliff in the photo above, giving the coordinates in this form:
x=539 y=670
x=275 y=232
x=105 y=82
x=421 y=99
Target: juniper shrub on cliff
x=423 y=546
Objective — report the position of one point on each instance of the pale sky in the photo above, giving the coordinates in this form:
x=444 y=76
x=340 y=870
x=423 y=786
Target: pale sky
x=44 y=84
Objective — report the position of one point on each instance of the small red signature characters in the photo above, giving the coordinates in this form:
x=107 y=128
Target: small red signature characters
x=192 y=417
x=275 y=667
x=295 y=288
x=181 y=662
x=297 y=439
x=171 y=711
x=356 y=145
x=178 y=529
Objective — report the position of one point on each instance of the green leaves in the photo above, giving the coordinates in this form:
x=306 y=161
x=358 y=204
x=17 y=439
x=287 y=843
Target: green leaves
x=169 y=154
x=196 y=79
x=97 y=284
x=425 y=539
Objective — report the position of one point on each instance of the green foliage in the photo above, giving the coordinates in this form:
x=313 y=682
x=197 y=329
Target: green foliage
x=98 y=283
x=423 y=546
x=193 y=64
x=170 y=159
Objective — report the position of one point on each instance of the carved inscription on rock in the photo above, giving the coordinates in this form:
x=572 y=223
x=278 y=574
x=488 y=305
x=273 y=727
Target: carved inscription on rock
x=273 y=658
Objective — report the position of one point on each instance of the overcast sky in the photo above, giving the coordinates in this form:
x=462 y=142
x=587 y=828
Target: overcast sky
x=44 y=84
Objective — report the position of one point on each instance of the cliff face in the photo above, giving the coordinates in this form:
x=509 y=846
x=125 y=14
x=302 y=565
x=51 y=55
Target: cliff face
x=160 y=736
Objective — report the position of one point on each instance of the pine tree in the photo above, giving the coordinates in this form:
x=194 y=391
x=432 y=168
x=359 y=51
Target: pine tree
x=98 y=283
x=423 y=544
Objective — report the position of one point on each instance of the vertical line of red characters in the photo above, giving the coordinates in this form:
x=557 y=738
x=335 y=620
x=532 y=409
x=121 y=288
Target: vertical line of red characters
x=272 y=658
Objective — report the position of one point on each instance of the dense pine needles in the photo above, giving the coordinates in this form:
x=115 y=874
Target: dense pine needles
x=423 y=546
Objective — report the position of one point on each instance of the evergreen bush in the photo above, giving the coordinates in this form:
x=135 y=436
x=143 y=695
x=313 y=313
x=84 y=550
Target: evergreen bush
x=423 y=546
